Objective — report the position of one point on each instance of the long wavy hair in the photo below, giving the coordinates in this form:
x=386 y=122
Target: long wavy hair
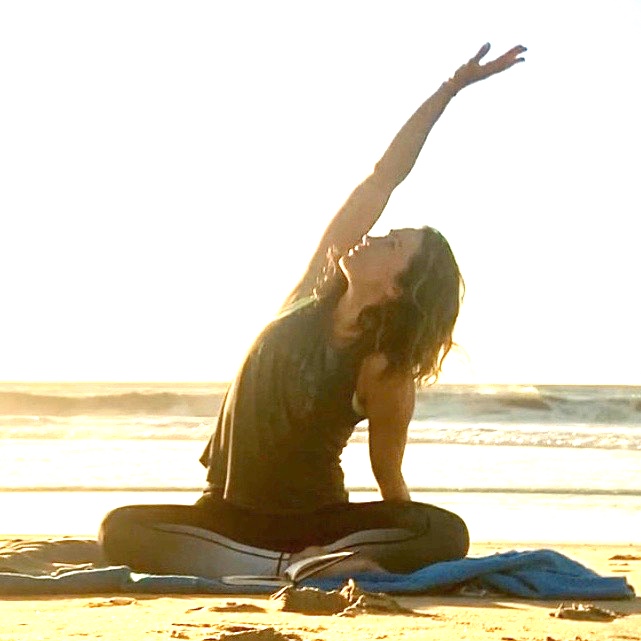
x=414 y=331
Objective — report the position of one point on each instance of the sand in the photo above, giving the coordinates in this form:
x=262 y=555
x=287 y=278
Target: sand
x=257 y=618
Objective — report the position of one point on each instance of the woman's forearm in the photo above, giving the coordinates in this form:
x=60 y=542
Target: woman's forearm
x=401 y=155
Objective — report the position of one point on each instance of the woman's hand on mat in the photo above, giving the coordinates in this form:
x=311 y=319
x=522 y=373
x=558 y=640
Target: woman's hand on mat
x=473 y=71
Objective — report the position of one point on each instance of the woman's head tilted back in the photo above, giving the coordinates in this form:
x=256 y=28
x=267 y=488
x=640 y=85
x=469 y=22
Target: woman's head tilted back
x=414 y=326
x=418 y=325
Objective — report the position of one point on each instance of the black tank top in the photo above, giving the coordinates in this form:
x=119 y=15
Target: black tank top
x=286 y=418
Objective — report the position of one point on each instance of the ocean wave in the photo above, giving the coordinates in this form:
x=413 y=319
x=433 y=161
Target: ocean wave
x=578 y=436
x=607 y=418
x=601 y=437
x=547 y=405
x=180 y=428
x=129 y=403
x=505 y=404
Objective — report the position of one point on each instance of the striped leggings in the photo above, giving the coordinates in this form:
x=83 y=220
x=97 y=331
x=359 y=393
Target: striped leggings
x=214 y=538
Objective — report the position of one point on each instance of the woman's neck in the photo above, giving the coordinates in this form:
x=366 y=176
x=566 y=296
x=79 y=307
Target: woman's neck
x=345 y=325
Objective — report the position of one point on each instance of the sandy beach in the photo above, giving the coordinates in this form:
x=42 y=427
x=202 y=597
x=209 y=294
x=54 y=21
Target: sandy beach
x=437 y=617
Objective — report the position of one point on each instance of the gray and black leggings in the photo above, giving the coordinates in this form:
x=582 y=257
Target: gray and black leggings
x=214 y=538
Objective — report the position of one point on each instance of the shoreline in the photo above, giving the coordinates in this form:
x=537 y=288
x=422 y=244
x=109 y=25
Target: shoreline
x=499 y=518
x=198 y=617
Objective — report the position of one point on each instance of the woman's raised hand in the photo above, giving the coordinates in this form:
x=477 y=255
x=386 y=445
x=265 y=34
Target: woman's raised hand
x=473 y=71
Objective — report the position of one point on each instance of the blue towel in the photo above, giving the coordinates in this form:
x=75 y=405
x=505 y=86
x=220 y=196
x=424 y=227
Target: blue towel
x=538 y=574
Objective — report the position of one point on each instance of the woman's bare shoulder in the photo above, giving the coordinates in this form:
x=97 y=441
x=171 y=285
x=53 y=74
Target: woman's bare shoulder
x=376 y=383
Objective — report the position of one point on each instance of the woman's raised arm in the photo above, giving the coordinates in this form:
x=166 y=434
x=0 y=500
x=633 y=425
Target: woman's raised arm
x=367 y=202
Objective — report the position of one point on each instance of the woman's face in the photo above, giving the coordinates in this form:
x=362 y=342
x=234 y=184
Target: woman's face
x=378 y=261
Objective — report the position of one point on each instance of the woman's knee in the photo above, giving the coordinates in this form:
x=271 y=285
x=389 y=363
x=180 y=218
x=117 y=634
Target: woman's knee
x=439 y=524
x=116 y=532
x=113 y=522
x=451 y=533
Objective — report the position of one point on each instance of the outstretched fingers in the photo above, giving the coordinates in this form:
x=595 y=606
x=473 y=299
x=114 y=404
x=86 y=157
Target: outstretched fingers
x=507 y=60
x=481 y=53
x=473 y=70
x=513 y=55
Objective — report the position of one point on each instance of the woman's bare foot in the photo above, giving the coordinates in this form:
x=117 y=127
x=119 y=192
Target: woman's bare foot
x=350 y=565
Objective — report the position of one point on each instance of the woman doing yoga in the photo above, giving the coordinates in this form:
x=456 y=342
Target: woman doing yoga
x=371 y=318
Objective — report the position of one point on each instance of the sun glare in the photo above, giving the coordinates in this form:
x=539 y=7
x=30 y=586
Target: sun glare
x=168 y=171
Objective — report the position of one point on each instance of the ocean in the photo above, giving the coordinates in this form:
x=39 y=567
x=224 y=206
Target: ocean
x=528 y=464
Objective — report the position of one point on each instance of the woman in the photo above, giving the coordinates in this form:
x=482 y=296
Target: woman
x=370 y=319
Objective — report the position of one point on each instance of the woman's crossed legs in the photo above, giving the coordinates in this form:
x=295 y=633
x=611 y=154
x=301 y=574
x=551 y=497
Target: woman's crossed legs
x=214 y=538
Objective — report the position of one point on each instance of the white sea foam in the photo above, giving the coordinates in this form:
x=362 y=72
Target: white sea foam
x=181 y=428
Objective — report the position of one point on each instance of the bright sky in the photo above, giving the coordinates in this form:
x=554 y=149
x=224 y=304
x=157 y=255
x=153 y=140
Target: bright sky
x=167 y=169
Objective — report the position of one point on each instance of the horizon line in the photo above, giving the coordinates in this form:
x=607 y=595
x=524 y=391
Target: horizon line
x=227 y=383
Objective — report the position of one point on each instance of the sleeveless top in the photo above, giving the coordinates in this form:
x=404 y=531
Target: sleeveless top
x=286 y=418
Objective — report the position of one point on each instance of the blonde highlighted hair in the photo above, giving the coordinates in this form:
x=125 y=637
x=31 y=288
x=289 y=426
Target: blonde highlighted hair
x=413 y=331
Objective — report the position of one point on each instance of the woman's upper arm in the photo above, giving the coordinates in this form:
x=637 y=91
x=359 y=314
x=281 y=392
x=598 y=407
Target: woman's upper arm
x=389 y=401
x=353 y=220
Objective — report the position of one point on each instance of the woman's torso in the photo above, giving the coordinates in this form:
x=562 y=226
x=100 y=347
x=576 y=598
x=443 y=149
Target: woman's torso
x=286 y=419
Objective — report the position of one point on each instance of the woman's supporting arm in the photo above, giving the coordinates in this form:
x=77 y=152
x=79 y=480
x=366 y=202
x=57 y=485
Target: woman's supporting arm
x=366 y=203
x=388 y=400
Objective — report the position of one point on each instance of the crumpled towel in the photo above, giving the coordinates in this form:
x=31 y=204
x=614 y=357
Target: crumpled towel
x=533 y=574
x=51 y=556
